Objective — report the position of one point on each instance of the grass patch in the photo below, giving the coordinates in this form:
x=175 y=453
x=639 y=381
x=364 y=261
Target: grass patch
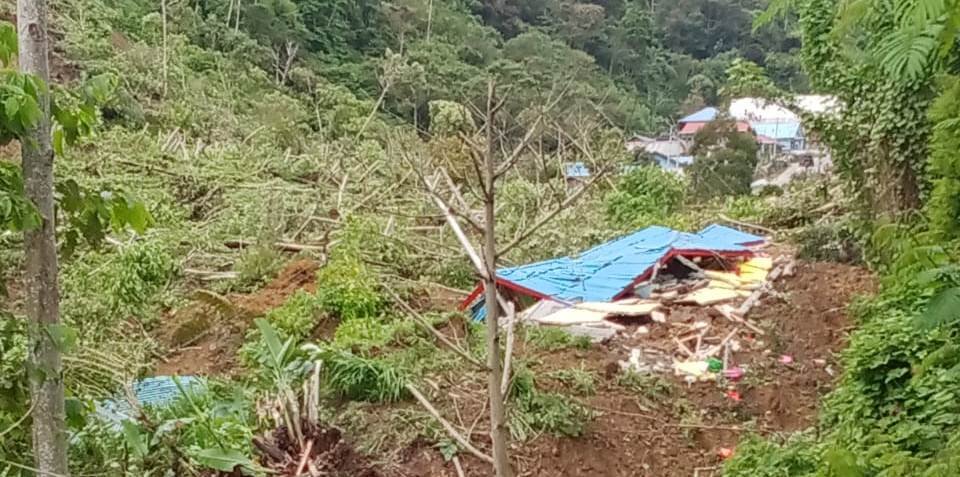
x=535 y=412
x=551 y=339
x=363 y=379
x=580 y=380
x=651 y=388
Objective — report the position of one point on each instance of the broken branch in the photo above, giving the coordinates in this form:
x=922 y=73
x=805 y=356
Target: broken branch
x=547 y=218
x=463 y=441
x=424 y=323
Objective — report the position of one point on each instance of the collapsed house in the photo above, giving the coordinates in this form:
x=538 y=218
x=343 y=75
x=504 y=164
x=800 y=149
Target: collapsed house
x=635 y=281
x=614 y=270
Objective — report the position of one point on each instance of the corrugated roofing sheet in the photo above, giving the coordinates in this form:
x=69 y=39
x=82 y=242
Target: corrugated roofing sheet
x=703 y=116
x=693 y=128
x=778 y=129
x=155 y=391
x=607 y=270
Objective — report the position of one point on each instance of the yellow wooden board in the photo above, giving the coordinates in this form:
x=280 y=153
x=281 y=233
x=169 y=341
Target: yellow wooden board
x=710 y=295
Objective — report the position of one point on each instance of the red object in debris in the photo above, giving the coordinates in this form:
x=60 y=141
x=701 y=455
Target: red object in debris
x=725 y=453
x=786 y=359
x=734 y=394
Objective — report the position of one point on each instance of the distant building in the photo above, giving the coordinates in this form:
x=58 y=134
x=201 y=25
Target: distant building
x=777 y=127
x=788 y=135
x=575 y=173
x=691 y=124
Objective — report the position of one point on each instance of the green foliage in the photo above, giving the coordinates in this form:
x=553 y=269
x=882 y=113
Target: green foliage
x=898 y=396
x=359 y=378
x=130 y=284
x=760 y=457
x=745 y=78
x=91 y=215
x=921 y=33
x=651 y=386
x=257 y=265
x=550 y=338
x=346 y=288
x=943 y=208
x=879 y=138
x=534 y=412
x=644 y=196
x=830 y=242
x=725 y=161
x=363 y=334
x=142 y=270
x=13 y=385
x=294 y=321
x=17 y=213
x=210 y=426
x=580 y=380
x=448 y=118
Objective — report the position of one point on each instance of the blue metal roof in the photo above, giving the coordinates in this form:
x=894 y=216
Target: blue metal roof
x=605 y=271
x=577 y=169
x=704 y=115
x=777 y=130
x=155 y=391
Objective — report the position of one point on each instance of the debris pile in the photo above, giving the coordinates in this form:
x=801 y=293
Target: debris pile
x=681 y=299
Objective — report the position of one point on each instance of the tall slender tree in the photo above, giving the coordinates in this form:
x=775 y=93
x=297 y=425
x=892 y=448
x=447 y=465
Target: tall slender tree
x=42 y=295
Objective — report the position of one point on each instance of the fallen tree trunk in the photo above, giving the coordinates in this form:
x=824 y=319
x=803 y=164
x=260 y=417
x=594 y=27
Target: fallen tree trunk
x=282 y=246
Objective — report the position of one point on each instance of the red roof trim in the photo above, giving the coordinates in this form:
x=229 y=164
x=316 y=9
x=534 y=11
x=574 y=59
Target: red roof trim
x=625 y=292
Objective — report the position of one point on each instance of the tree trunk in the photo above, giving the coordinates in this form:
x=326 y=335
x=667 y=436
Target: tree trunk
x=42 y=297
x=498 y=426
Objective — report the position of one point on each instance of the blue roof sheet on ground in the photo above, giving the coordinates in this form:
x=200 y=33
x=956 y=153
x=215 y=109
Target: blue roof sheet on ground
x=704 y=115
x=603 y=272
x=777 y=130
x=155 y=391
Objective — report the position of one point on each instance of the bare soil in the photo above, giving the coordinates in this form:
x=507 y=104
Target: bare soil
x=677 y=430
x=204 y=338
x=687 y=430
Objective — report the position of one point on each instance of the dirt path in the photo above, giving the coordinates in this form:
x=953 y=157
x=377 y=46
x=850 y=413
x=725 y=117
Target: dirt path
x=676 y=429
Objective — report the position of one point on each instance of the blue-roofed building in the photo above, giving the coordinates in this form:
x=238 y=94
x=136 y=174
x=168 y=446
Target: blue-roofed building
x=787 y=134
x=705 y=115
x=611 y=270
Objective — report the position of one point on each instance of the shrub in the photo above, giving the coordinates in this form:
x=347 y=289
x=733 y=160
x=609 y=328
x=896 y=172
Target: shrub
x=256 y=265
x=363 y=334
x=644 y=196
x=140 y=271
x=943 y=208
x=535 y=412
x=833 y=242
x=757 y=457
x=365 y=379
x=346 y=288
x=295 y=319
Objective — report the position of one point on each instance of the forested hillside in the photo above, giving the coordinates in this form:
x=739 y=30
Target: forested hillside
x=255 y=249
x=637 y=65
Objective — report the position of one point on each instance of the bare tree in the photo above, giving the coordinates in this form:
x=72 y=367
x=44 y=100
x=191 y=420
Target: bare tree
x=491 y=160
x=42 y=296
x=498 y=424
